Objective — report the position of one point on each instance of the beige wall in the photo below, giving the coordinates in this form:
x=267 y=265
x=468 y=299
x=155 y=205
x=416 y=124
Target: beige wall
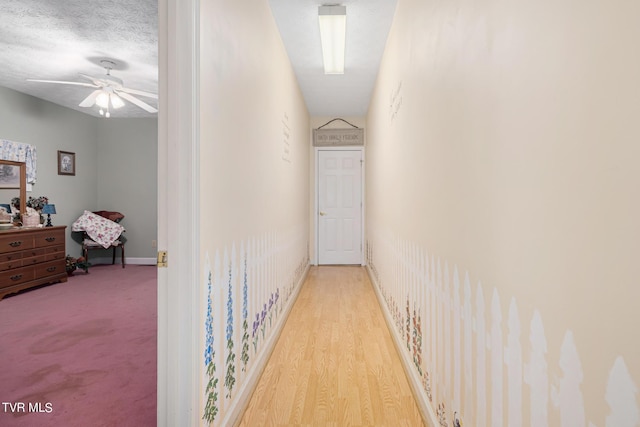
x=254 y=187
x=502 y=143
x=248 y=90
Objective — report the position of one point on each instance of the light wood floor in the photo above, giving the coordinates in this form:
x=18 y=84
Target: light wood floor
x=335 y=363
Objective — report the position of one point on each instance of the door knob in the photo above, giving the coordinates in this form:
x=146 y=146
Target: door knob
x=322 y=213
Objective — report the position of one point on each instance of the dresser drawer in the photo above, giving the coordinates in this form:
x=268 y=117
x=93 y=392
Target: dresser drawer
x=50 y=268
x=10 y=256
x=55 y=252
x=33 y=256
x=49 y=238
x=16 y=276
x=16 y=242
x=8 y=265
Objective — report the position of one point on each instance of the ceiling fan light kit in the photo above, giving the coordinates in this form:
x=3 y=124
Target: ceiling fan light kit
x=109 y=92
x=116 y=101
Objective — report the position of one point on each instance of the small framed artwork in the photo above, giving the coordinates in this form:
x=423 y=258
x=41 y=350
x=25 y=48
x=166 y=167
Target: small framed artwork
x=9 y=176
x=66 y=163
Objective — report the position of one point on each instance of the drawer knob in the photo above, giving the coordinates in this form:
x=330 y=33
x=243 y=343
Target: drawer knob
x=16 y=277
x=50 y=239
x=15 y=244
x=52 y=269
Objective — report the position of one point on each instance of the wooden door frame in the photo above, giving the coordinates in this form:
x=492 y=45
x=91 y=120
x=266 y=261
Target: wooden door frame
x=316 y=223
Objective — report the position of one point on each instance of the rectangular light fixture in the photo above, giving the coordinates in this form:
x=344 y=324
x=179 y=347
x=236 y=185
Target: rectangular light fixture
x=333 y=30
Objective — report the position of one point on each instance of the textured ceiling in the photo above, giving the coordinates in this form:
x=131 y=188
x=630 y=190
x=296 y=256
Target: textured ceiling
x=368 y=23
x=58 y=39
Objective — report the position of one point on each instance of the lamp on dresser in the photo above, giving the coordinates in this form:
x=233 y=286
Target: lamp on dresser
x=49 y=209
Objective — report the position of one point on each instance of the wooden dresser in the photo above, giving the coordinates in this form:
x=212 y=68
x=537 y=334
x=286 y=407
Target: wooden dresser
x=31 y=257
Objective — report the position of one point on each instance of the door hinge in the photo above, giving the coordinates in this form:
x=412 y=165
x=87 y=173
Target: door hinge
x=162 y=259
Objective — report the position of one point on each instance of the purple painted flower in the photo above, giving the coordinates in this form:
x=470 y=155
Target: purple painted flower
x=256 y=325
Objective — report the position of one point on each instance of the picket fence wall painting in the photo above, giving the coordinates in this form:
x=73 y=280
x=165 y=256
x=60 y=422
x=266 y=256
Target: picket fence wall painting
x=458 y=345
x=247 y=287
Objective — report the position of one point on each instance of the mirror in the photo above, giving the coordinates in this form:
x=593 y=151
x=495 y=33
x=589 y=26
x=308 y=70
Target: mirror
x=14 y=175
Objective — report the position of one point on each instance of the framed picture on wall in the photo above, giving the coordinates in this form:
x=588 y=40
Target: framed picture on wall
x=66 y=163
x=9 y=176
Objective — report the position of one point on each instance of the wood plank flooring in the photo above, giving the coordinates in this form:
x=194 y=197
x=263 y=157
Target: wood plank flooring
x=335 y=363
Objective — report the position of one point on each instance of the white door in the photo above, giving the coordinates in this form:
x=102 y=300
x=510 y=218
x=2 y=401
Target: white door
x=339 y=207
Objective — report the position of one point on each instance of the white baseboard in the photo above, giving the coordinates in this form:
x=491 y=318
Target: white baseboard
x=239 y=405
x=128 y=260
x=426 y=410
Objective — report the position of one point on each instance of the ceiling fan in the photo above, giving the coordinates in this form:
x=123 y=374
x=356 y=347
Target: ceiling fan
x=109 y=91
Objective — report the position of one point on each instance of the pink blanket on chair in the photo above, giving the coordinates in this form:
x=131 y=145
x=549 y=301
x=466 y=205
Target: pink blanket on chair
x=101 y=230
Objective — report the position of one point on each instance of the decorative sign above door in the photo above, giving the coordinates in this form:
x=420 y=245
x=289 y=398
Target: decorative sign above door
x=338 y=137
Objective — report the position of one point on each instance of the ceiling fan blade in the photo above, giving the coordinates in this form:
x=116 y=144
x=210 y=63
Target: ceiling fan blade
x=139 y=92
x=91 y=99
x=63 y=83
x=95 y=80
x=137 y=102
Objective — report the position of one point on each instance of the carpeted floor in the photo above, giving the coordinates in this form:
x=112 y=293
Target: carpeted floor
x=81 y=353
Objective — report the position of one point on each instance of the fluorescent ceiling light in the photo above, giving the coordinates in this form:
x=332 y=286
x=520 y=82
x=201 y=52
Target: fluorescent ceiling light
x=333 y=30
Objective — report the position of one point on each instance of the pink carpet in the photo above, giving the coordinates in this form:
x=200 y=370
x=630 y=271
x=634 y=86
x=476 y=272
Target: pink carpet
x=81 y=353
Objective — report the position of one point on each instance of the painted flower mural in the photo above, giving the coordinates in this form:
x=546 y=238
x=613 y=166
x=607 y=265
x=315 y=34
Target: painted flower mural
x=245 y=323
x=230 y=379
x=254 y=334
x=235 y=288
x=211 y=392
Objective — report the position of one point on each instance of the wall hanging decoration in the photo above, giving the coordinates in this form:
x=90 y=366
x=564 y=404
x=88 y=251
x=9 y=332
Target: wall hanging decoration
x=66 y=163
x=353 y=136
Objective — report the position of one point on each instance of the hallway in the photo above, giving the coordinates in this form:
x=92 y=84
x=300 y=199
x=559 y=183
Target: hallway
x=335 y=362
x=500 y=220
